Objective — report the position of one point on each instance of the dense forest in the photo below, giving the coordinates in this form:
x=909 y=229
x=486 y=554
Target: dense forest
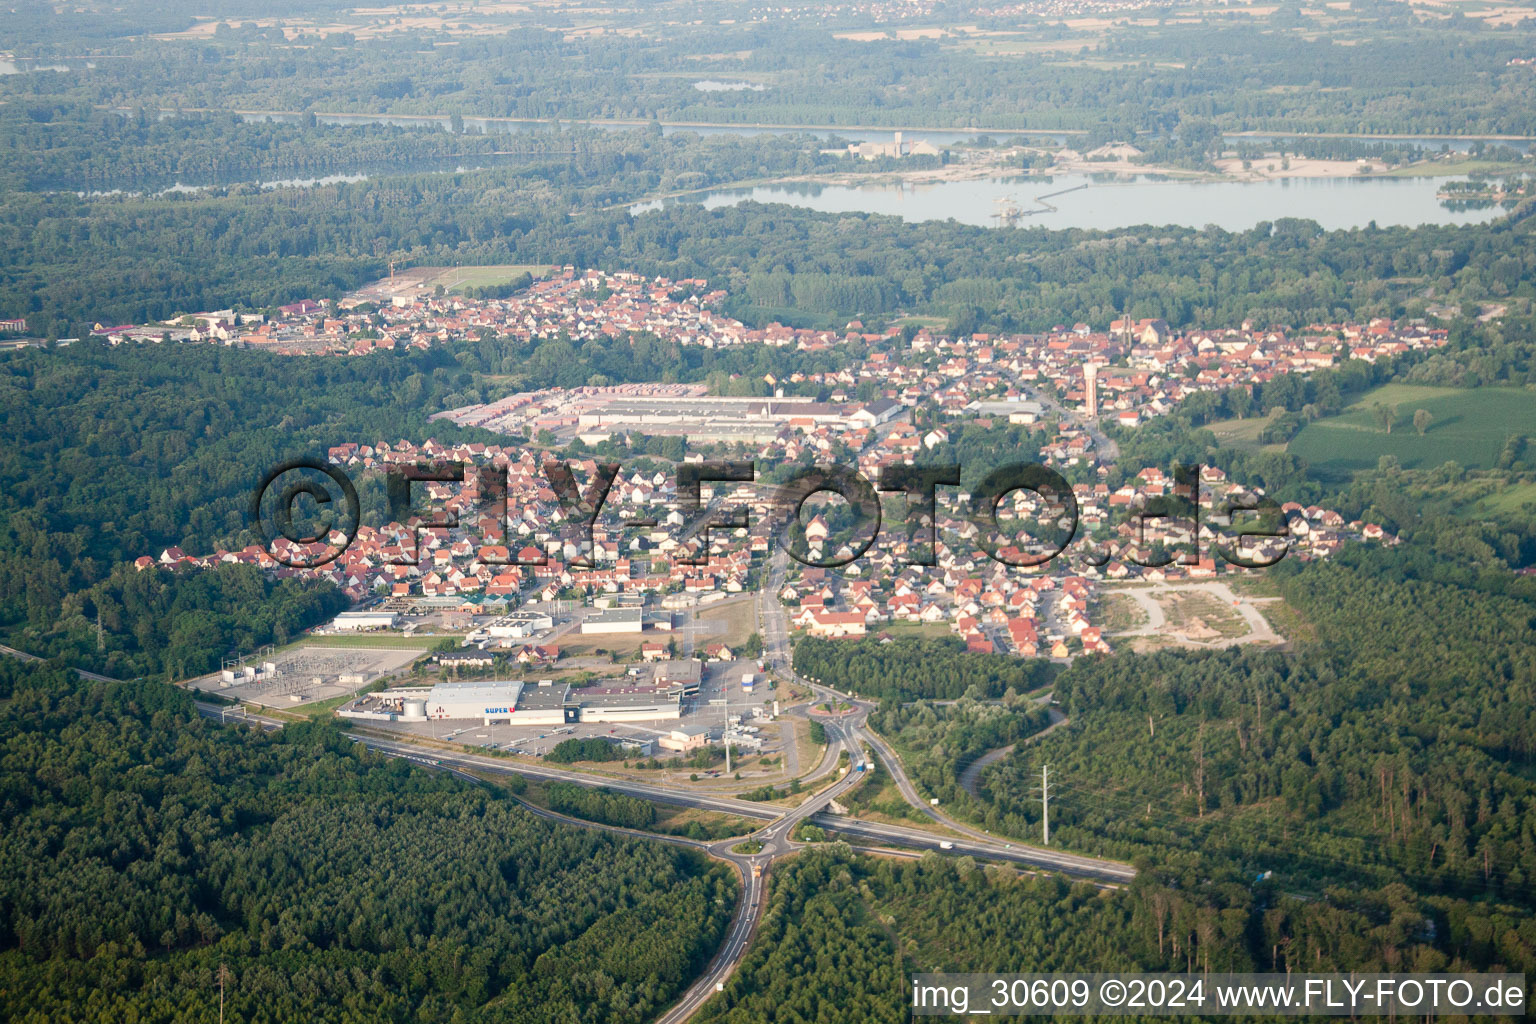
x=118 y=453
x=1294 y=68
x=938 y=743
x=1395 y=748
x=179 y=623
x=593 y=748
x=53 y=144
x=601 y=805
x=904 y=668
x=819 y=953
x=844 y=930
x=144 y=850
x=1362 y=802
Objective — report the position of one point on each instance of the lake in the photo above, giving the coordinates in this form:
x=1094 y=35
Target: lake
x=12 y=66
x=1107 y=202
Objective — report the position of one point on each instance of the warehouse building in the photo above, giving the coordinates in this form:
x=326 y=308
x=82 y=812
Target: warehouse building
x=520 y=625
x=515 y=702
x=614 y=620
x=353 y=621
x=626 y=704
x=683 y=675
x=1018 y=410
x=705 y=417
x=501 y=701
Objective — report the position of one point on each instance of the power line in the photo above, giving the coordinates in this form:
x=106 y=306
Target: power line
x=1045 y=802
x=1278 y=835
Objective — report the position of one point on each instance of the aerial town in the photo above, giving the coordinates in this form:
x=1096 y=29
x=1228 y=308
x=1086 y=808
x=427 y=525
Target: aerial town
x=646 y=561
x=767 y=512
x=1144 y=367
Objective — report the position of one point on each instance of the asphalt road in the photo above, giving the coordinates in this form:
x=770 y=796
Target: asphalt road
x=82 y=673
x=971 y=776
x=776 y=842
x=849 y=734
x=1108 y=450
x=775 y=837
x=776 y=647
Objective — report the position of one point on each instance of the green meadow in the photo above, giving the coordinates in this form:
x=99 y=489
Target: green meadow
x=1469 y=427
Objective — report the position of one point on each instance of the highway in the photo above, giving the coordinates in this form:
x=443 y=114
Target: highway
x=970 y=778
x=992 y=849
x=776 y=842
x=82 y=673
x=774 y=837
x=848 y=734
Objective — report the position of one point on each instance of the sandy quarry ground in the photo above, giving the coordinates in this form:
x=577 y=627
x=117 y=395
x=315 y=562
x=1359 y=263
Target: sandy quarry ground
x=1266 y=168
x=1068 y=161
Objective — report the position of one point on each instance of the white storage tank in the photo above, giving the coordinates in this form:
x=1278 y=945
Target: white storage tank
x=413 y=708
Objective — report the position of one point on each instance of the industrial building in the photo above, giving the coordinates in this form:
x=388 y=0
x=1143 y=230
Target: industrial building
x=683 y=675
x=520 y=624
x=705 y=418
x=499 y=701
x=518 y=703
x=351 y=621
x=614 y=620
x=1018 y=410
x=626 y=704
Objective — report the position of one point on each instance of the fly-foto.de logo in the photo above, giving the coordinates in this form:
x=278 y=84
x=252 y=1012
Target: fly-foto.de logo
x=1024 y=514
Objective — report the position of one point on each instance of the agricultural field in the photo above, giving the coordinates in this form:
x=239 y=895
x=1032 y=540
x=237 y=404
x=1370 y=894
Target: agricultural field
x=1467 y=426
x=1241 y=433
x=456 y=279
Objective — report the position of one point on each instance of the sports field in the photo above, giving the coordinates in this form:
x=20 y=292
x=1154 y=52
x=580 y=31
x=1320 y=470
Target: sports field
x=1469 y=427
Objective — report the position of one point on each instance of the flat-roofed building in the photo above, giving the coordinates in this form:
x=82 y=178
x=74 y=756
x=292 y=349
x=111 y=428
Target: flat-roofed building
x=614 y=620
x=626 y=704
x=516 y=625
x=352 y=621
x=683 y=675
x=1018 y=410
x=500 y=701
x=684 y=739
x=545 y=703
x=706 y=418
